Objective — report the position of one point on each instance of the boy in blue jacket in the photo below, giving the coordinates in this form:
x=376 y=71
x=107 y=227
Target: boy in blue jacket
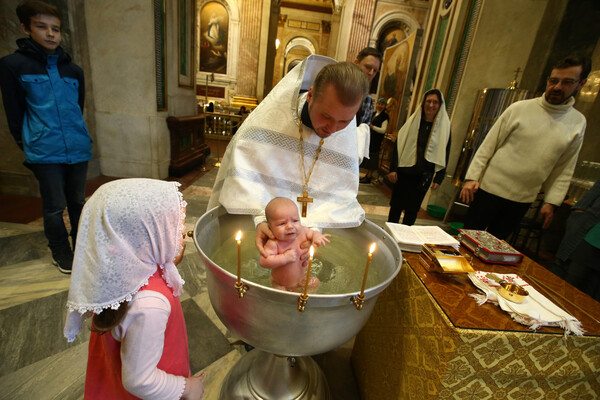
x=43 y=94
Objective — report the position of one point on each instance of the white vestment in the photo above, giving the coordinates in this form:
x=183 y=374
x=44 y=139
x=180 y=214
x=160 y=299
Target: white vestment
x=262 y=160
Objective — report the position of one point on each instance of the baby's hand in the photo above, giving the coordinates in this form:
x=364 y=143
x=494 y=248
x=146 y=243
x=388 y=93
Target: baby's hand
x=320 y=240
x=291 y=254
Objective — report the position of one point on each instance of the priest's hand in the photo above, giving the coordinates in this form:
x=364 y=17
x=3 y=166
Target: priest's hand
x=547 y=212
x=392 y=176
x=304 y=247
x=468 y=191
x=263 y=233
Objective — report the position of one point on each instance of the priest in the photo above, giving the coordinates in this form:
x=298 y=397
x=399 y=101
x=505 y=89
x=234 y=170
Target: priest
x=302 y=143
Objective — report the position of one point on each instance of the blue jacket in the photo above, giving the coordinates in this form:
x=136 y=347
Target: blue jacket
x=43 y=97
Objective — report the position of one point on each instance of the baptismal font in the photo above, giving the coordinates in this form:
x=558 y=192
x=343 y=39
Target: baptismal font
x=280 y=366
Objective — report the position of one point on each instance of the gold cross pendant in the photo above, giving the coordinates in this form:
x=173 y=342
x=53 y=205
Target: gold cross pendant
x=304 y=199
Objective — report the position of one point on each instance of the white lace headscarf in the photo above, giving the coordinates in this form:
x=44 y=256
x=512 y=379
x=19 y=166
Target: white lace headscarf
x=127 y=229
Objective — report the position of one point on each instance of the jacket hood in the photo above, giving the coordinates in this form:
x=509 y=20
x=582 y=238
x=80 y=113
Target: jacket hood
x=30 y=48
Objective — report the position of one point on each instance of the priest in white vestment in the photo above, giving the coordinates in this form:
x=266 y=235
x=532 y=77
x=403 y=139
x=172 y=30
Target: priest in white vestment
x=263 y=160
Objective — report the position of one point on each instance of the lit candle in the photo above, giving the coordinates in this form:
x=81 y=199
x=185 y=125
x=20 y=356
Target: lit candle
x=238 y=239
x=311 y=253
x=371 y=250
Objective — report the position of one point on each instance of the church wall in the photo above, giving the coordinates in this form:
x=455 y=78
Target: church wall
x=589 y=104
x=501 y=43
x=577 y=32
x=132 y=135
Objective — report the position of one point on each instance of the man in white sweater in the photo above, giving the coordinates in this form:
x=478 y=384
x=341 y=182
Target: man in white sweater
x=532 y=147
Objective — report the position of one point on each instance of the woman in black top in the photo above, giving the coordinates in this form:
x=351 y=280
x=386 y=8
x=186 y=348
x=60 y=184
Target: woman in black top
x=378 y=126
x=419 y=157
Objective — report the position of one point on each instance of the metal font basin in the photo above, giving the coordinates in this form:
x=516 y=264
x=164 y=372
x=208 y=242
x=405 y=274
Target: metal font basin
x=267 y=318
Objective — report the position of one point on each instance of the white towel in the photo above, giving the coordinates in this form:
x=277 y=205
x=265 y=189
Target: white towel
x=535 y=311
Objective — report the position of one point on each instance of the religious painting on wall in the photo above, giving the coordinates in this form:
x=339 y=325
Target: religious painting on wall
x=214 y=29
x=391 y=37
x=396 y=63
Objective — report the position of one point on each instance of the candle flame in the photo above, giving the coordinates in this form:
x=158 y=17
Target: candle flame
x=311 y=251
x=372 y=249
x=238 y=237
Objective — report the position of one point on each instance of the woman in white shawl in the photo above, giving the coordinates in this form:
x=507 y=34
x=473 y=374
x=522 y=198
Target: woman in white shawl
x=420 y=156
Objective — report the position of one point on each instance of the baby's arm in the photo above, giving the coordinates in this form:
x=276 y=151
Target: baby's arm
x=275 y=260
x=317 y=238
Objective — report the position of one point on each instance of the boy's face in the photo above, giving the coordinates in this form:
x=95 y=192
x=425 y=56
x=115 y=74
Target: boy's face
x=284 y=222
x=45 y=31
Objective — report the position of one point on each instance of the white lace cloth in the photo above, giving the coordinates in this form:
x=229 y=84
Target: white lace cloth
x=127 y=229
x=535 y=311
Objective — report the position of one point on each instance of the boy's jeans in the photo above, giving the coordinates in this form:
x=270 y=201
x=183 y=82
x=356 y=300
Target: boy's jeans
x=61 y=185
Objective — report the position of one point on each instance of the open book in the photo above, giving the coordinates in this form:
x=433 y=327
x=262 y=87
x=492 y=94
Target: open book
x=412 y=238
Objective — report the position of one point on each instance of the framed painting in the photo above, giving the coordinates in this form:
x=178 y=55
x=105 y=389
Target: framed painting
x=393 y=78
x=214 y=32
x=186 y=12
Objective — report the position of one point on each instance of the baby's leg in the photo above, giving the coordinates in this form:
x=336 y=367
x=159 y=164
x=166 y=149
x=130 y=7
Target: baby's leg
x=274 y=284
x=277 y=286
x=313 y=284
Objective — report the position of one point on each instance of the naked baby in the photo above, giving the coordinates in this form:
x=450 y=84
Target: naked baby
x=283 y=253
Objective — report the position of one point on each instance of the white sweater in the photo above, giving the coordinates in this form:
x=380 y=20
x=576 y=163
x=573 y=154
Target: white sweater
x=533 y=145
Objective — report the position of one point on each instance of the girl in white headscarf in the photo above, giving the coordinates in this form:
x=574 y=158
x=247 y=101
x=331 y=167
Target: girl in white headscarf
x=420 y=156
x=124 y=275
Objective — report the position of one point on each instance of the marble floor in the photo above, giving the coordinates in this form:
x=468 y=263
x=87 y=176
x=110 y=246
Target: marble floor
x=38 y=363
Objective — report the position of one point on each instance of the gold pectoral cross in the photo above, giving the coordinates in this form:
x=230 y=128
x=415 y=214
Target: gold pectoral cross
x=304 y=199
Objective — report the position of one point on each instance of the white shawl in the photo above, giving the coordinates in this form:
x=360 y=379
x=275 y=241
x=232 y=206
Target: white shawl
x=127 y=229
x=262 y=160
x=438 y=139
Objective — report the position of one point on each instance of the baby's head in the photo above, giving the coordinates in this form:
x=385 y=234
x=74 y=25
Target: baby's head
x=283 y=219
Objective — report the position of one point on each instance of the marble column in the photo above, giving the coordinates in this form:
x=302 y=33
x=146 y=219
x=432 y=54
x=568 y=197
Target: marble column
x=267 y=78
x=250 y=26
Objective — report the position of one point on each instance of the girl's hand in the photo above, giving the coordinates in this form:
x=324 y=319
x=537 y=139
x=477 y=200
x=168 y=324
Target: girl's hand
x=179 y=256
x=194 y=388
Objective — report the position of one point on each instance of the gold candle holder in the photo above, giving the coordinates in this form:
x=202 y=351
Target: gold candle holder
x=304 y=296
x=239 y=285
x=360 y=298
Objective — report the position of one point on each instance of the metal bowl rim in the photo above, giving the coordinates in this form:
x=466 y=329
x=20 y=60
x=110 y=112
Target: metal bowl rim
x=379 y=287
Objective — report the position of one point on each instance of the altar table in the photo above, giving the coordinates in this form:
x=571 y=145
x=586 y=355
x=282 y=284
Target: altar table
x=427 y=339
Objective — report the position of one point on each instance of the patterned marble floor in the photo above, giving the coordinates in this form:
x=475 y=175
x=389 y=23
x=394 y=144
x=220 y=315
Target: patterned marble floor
x=37 y=363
